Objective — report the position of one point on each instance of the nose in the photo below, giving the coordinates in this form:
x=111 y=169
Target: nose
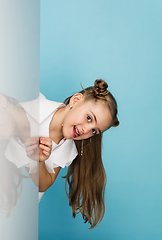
x=87 y=128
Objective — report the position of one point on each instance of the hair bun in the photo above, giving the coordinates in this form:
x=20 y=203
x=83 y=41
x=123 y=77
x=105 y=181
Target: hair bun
x=116 y=123
x=100 y=88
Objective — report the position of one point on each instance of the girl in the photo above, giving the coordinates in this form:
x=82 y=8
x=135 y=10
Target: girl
x=72 y=130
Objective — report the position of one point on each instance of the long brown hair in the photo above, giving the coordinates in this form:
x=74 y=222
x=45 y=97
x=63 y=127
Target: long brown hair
x=86 y=175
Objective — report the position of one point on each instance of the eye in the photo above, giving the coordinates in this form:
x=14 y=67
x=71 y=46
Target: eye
x=93 y=131
x=89 y=118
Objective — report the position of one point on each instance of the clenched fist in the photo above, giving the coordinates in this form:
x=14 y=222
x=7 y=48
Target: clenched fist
x=38 y=149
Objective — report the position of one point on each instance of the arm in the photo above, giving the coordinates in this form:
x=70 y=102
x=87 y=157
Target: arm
x=46 y=179
x=42 y=179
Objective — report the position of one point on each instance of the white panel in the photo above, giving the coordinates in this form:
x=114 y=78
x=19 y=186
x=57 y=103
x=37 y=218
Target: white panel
x=19 y=80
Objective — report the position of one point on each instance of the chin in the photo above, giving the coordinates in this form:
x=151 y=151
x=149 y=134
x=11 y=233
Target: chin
x=80 y=138
x=67 y=136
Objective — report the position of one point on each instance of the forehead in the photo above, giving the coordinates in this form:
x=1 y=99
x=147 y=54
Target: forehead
x=101 y=112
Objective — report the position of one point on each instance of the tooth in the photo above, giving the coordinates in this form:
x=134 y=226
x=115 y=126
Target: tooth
x=75 y=129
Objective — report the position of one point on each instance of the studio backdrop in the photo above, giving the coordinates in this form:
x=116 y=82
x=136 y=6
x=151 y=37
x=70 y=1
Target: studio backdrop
x=54 y=47
x=119 y=41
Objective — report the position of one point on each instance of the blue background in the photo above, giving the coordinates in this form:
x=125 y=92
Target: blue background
x=119 y=41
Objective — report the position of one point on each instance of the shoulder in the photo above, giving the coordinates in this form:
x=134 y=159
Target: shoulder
x=44 y=101
x=40 y=108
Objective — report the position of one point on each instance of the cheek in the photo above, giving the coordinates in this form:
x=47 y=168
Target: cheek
x=69 y=118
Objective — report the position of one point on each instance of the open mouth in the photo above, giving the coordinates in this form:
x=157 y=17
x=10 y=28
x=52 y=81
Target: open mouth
x=76 y=132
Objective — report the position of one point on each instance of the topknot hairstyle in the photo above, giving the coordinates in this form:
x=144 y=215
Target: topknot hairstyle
x=99 y=92
x=100 y=88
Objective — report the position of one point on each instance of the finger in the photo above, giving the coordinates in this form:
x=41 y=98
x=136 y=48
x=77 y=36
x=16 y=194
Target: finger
x=29 y=153
x=47 y=154
x=43 y=147
x=31 y=141
x=30 y=148
x=46 y=138
x=46 y=141
x=44 y=156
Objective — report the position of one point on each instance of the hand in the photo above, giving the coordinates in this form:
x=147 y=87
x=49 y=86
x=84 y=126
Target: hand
x=45 y=147
x=32 y=148
x=38 y=149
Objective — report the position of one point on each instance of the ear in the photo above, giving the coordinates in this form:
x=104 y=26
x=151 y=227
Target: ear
x=3 y=101
x=76 y=98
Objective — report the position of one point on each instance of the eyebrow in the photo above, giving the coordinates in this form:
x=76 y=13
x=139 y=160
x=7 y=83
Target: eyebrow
x=95 y=120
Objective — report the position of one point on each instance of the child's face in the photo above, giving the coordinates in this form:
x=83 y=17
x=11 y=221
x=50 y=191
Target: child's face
x=85 y=119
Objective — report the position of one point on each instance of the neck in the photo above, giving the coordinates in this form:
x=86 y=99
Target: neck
x=55 y=129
